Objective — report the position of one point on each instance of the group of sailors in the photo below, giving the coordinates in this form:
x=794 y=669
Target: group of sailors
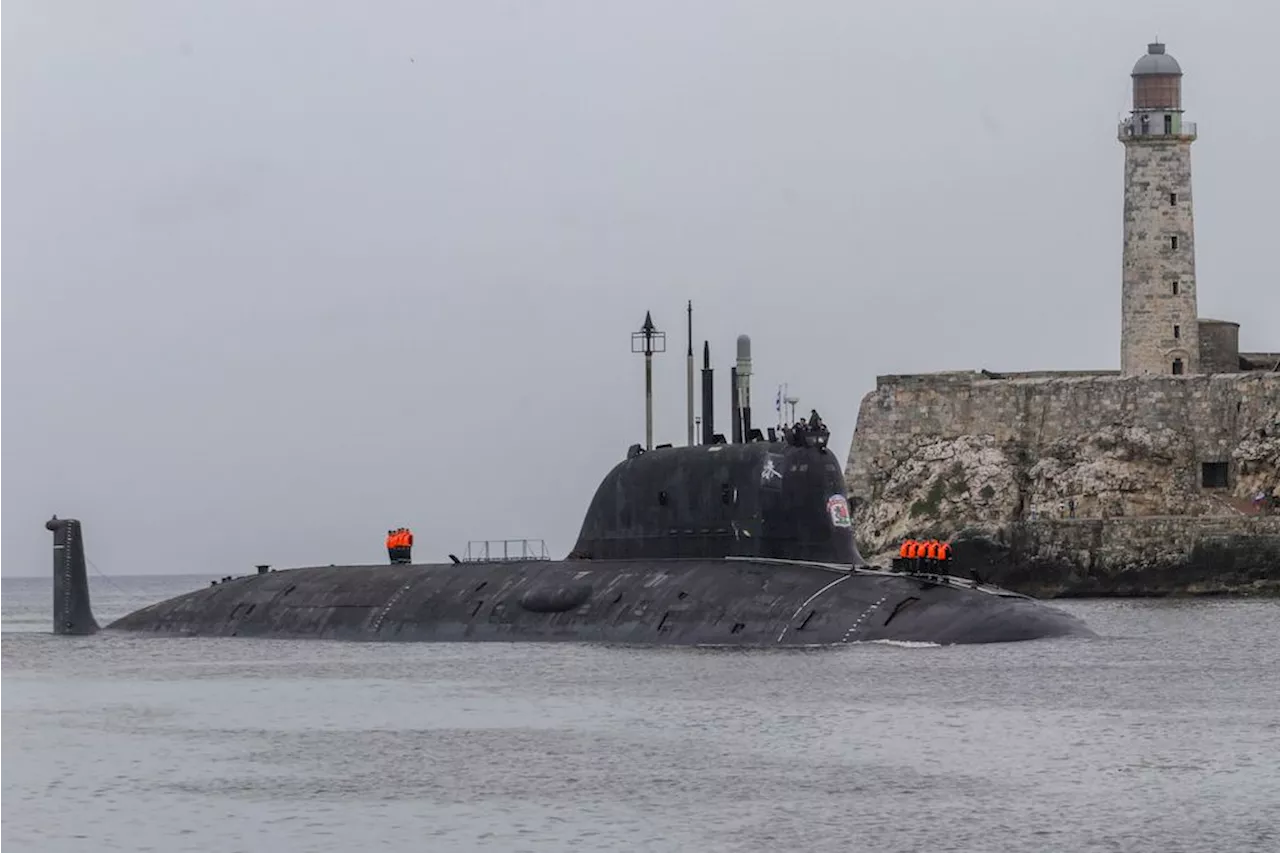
x=923 y=555
x=810 y=433
x=400 y=545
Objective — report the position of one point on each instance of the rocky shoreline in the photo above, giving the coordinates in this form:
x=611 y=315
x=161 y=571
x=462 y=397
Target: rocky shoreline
x=1119 y=558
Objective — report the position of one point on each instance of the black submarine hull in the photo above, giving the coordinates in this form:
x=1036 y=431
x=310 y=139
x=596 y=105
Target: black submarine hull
x=721 y=544
x=746 y=602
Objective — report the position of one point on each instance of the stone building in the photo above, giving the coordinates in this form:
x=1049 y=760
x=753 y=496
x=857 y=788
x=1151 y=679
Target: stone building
x=1161 y=331
x=1090 y=476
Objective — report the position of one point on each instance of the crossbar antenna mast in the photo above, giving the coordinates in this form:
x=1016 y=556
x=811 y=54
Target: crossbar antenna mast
x=648 y=341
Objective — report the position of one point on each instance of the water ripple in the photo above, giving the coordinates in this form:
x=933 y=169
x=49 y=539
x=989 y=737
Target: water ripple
x=1160 y=735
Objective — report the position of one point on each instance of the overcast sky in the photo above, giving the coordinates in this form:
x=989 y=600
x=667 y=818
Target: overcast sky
x=278 y=276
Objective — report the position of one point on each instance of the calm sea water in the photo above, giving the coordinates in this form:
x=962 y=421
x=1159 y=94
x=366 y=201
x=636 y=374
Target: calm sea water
x=1162 y=735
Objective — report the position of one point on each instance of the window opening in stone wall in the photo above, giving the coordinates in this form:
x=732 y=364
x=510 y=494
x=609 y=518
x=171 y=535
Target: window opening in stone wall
x=1175 y=288
x=1173 y=242
x=1213 y=475
x=1173 y=199
x=1168 y=125
x=1177 y=367
x=1177 y=330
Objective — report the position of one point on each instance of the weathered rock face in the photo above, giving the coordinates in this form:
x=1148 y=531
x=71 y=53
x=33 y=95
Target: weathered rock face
x=937 y=453
x=928 y=484
x=1125 y=556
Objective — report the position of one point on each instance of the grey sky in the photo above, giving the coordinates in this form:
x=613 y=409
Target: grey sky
x=278 y=276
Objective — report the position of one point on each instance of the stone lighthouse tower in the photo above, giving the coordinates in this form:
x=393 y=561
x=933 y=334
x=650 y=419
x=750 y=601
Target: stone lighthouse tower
x=1158 y=329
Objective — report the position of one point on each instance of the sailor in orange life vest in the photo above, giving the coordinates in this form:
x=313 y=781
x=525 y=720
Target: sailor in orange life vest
x=399 y=545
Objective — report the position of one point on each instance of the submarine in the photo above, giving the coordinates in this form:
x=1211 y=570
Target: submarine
x=744 y=543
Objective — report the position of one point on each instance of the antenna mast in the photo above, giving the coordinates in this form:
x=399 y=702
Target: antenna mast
x=649 y=340
x=689 y=376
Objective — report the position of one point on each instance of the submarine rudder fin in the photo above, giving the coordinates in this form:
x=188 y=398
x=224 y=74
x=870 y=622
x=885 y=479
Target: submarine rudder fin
x=72 y=614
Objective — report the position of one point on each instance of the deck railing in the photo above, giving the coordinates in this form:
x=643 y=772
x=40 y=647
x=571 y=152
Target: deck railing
x=505 y=551
x=1130 y=129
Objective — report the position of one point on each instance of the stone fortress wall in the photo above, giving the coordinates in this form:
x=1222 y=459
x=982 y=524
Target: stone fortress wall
x=940 y=449
x=1032 y=460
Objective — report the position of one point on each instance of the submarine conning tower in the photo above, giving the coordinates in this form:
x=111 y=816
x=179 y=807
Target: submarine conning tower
x=71 y=611
x=762 y=499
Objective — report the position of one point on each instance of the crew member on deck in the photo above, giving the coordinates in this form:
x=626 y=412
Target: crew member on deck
x=399 y=545
x=916 y=553
x=944 y=555
x=904 y=554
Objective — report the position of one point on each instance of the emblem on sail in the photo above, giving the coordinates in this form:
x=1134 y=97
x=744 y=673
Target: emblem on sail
x=770 y=473
x=838 y=509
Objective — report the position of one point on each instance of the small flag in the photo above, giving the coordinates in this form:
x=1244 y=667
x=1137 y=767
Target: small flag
x=777 y=403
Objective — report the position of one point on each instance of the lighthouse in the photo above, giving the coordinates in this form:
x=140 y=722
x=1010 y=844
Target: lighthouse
x=1159 y=333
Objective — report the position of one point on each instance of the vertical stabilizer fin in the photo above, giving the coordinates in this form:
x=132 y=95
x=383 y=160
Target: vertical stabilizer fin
x=71 y=611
